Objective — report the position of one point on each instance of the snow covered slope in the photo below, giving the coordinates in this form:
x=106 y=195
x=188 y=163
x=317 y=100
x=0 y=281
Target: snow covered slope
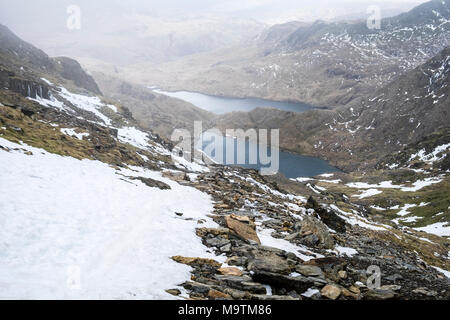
x=62 y=218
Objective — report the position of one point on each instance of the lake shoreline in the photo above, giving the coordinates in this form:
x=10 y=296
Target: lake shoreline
x=289 y=163
x=162 y=91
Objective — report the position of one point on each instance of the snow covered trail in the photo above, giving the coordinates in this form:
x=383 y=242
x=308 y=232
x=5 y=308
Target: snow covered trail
x=73 y=229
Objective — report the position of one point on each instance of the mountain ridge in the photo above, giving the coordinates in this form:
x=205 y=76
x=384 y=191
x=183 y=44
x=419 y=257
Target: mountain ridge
x=342 y=63
x=20 y=54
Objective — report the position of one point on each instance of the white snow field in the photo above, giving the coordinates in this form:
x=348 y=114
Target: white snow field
x=441 y=229
x=72 y=229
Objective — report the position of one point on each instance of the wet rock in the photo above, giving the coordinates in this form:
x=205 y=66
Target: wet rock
x=242 y=227
x=312 y=226
x=331 y=291
x=29 y=88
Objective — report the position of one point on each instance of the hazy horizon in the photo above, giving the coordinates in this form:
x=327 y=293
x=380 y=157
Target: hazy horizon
x=157 y=31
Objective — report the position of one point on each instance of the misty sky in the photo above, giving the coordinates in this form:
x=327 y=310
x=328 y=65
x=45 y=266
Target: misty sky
x=107 y=25
x=45 y=14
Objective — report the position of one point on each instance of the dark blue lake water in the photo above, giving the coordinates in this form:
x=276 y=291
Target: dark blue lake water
x=290 y=164
x=221 y=105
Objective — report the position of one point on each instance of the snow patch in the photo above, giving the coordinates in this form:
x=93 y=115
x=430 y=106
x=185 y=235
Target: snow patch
x=73 y=133
x=441 y=229
x=62 y=219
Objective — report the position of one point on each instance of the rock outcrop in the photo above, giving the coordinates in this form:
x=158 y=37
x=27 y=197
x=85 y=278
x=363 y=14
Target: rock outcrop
x=71 y=70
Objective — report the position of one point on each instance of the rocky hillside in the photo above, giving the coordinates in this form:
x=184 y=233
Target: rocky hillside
x=393 y=145
x=403 y=113
x=132 y=220
x=21 y=59
x=325 y=64
x=160 y=113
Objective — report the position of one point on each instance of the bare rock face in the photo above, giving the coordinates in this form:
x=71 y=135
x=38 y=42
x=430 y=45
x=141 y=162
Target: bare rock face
x=26 y=88
x=312 y=226
x=72 y=70
x=242 y=227
x=269 y=262
x=217 y=295
x=196 y=261
x=152 y=183
x=330 y=218
x=331 y=291
x=309 y=271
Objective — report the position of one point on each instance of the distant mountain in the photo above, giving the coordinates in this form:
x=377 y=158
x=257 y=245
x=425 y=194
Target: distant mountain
x=393 y=146
x=325 y=64
x=23 y=68
x=422 y=24
x=404 y=112
x=139 y=38
x=20 y=57
x=153 y=111
x=93 y=206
